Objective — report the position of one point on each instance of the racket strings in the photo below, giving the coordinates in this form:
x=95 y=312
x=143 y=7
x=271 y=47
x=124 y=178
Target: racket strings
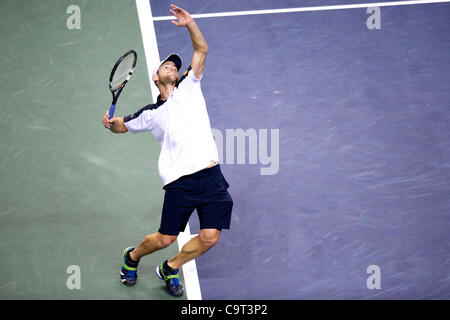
x=123 y=72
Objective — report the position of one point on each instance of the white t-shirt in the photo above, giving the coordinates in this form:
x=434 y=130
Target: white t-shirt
x=182 y=127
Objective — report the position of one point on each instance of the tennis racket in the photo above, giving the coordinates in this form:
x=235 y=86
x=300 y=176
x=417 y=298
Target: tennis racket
x=120 y=74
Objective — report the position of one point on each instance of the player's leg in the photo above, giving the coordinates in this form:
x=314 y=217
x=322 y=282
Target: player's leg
x=151 y=243
x=131 y=256
x=168 y=270
x=214 y=213
x=175 y=215
x=195 y=247
x=213 y=204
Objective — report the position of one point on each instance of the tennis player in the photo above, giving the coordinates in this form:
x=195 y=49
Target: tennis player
x=188 y=163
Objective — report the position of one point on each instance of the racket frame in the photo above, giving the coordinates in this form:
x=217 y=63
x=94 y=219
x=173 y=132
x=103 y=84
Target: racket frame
x=116 y=92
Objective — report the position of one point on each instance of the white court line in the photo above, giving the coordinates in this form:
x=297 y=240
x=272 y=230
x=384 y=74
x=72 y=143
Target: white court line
x=192 y=284
x=316 y=8
x=149 y=41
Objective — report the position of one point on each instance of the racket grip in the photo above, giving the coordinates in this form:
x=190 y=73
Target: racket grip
x=112 y=109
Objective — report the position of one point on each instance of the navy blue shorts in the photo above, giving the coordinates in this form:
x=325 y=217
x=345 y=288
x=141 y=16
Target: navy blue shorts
x=206 y=191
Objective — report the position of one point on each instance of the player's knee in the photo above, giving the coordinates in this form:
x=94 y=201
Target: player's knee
x=167 y=240
x=210 y=238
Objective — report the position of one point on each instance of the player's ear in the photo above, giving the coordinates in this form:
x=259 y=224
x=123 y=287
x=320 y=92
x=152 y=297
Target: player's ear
x=155 y=78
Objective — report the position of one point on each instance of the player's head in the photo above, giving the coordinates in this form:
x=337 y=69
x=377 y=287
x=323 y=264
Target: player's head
x=167 y=70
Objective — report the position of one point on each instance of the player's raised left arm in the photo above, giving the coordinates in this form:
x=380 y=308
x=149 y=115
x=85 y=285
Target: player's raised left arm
x=199 y=44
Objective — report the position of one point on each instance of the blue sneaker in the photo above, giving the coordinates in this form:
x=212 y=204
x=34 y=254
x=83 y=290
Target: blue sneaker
x=173 y=285
x=128 y=273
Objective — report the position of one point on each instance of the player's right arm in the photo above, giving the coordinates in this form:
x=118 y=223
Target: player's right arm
x=116 y=124
x=199 y=44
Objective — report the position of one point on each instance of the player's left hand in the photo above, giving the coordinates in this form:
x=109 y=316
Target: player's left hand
x=107 y=122
x=183 y=17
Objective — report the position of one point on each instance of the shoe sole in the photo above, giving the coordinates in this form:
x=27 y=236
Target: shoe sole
x=158 y=274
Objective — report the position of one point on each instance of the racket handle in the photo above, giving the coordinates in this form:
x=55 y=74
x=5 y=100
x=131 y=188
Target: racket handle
x=112 y=109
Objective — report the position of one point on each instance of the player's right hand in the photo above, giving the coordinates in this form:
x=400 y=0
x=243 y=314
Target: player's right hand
x=183 y=17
